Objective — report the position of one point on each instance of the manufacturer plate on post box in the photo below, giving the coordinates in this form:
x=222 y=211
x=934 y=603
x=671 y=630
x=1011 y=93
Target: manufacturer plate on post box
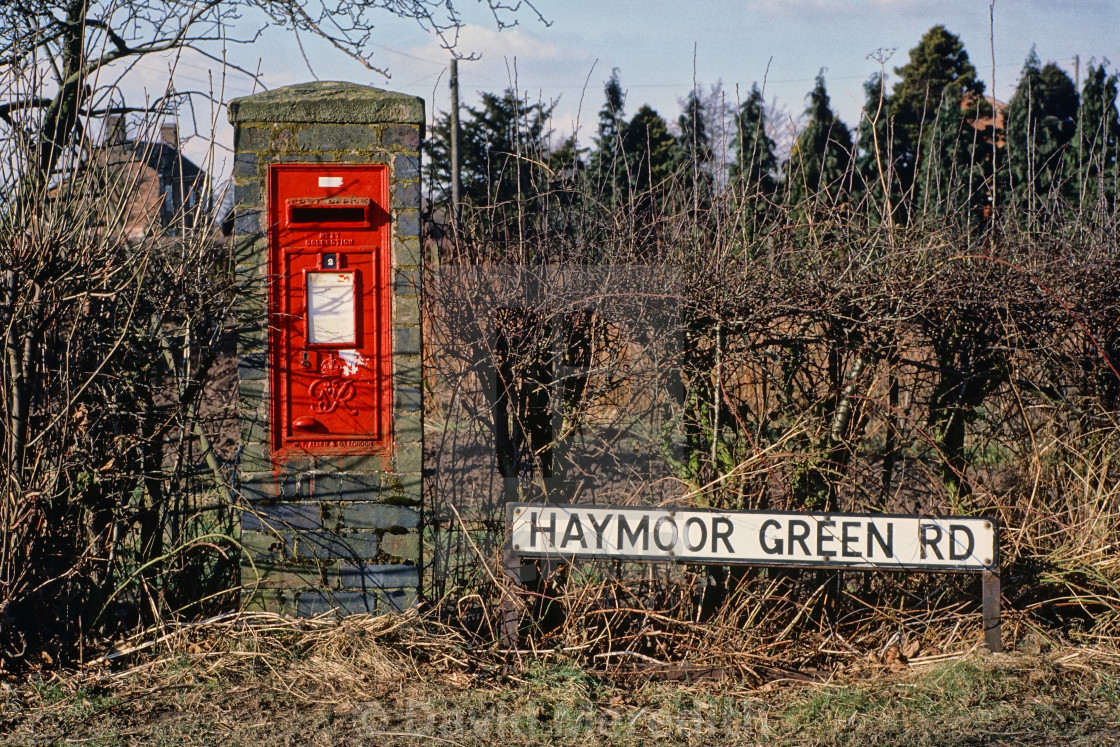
x=329 y=308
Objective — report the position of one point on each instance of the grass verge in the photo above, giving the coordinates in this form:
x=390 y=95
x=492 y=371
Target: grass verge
x=399 y=680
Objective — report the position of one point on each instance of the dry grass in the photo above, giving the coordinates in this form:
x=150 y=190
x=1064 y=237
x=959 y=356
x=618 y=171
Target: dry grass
x=406 y=679
x=315 y=659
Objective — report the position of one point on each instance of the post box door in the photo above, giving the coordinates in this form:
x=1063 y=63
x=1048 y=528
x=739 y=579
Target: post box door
x=329 y=307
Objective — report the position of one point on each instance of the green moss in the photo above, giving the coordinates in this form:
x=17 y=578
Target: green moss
x=328 y=102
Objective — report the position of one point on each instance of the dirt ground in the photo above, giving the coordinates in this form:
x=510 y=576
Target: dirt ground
x=385 y=681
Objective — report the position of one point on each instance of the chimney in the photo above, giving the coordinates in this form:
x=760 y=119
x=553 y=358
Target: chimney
x=169 y=134
x=116 y=132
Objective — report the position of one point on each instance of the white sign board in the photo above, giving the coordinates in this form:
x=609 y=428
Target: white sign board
x=331 y=312
x=842 y=540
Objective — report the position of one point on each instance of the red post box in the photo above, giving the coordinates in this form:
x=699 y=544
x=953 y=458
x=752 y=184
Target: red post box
x=329 y=309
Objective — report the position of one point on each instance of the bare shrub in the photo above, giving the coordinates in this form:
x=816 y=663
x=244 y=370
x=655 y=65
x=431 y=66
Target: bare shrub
x=704 y=345
x=114 y=301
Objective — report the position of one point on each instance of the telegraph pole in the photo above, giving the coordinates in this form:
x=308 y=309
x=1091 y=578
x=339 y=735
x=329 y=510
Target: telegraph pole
x=455 y=188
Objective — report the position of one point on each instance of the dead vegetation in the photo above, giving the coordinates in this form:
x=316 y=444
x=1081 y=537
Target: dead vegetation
x=807 y=359
x=406 y=679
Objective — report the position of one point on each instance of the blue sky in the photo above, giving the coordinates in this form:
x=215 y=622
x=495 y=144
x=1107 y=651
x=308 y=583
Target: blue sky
x=661 y=47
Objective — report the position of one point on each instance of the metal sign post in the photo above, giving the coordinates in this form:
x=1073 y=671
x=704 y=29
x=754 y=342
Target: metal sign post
x=839 y=541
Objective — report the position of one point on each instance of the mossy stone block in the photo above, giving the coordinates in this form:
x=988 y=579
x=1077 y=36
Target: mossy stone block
x=328 y=137
x=328 y=102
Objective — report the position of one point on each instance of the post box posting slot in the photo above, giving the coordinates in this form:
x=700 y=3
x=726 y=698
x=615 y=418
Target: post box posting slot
x=351 y=212
x=329 y=306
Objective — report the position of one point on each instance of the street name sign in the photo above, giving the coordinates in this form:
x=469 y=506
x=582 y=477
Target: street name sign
x=771 y=538
x=874 y=542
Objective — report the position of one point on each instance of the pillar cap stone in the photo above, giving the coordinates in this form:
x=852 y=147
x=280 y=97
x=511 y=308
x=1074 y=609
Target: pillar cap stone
x=328 y=102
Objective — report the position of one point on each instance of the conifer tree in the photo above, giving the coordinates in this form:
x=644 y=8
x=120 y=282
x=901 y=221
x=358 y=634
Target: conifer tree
x=1041 y=122
x=650 y=151
x=754 y=170
x=695 y=149
x=502 y=146
x=939 y=63
x=949 y=179
x=1094 y=154
x=496 y=139
x=755 y=164
x=606 y=165
x=821 y=160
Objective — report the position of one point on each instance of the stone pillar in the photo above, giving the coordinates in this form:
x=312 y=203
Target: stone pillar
x=321 y=530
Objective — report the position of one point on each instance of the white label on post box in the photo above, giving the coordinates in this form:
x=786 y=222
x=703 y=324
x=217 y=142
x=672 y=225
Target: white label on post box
x=330 y=181
x=331 y=308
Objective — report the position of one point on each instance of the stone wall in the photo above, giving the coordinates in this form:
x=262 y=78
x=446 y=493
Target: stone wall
x=329 y=531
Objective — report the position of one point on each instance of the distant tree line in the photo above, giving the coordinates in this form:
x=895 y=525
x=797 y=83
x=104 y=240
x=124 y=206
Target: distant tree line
x=931 y=147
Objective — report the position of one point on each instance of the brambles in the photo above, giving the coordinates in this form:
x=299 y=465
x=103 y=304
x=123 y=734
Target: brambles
x=861 y=342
